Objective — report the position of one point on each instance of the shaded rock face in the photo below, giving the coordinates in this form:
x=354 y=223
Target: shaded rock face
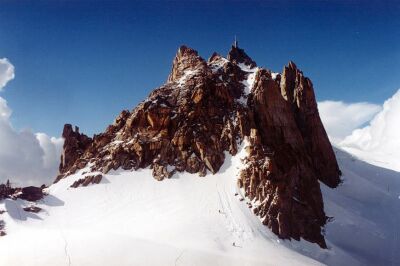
x=238 y=56
x=31 y=193
x=75 y=145
x=209 y=107
x=33 y=209
x=298 y=91
x=280 y=173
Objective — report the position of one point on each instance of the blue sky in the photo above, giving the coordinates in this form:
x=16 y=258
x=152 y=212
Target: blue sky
x=83 y=62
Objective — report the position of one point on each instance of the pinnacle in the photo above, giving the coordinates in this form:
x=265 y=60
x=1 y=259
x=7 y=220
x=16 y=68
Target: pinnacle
x=186 y=58
x=238 y=55
x=292 y=65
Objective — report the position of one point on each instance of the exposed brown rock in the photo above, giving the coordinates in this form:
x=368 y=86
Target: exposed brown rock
x=186 y=59
x=298 y=90
x=202 y=111
x=75 y=144
x=31 y=193
x=188 y=128
x=87 y=180
x=279 y=172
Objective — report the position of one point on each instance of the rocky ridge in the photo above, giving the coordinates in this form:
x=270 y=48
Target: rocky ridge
x=208 y=107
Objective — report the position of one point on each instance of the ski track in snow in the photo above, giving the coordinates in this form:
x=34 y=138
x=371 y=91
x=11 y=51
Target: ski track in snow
x=132 y=219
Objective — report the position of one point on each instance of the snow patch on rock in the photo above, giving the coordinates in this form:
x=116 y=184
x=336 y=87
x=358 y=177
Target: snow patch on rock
x=249 y=81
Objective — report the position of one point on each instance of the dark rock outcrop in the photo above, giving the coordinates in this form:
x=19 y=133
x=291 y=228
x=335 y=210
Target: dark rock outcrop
x=298 y=90
x=279 y=173
x=75 y=144
x=238 y=56
x=31 y=193
x=33 y=209
x=6 y=190
x=209 y=107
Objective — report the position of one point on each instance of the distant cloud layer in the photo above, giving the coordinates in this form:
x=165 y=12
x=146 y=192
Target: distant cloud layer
x=368 y=131
x=379 y=141
x=26 y=158
x=340 y=118
x=6 y=72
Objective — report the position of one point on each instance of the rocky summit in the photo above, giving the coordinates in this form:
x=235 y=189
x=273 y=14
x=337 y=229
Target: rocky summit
x=205 y=110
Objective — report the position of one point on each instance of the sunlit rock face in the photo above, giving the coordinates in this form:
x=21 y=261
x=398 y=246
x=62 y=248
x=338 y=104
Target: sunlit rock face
x=208 y=108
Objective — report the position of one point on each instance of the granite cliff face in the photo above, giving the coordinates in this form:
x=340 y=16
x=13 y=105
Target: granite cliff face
x=209 y=107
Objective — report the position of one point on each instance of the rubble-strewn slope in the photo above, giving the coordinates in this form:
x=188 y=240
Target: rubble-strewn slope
x=209 y=107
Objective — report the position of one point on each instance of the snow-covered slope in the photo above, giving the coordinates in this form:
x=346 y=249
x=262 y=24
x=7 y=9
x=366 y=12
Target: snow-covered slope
x=132 y=219
x=365 y=211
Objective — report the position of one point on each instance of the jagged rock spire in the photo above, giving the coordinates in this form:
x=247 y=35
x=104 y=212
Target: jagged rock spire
x=299 y=92
x=237 y=55
x=75 y=144
x=186 y=58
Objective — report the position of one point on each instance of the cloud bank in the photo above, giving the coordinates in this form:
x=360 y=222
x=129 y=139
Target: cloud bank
x=6 y=72
x=26 y=158
x=368 y=131
x=340 y=118
x=379 y=142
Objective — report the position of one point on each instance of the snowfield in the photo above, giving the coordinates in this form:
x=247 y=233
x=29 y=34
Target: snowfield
x=132 y=219
x=366 y=214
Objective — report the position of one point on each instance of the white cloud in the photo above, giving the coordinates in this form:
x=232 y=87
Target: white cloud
x=6 y=72
x=340 y=118
x=26 y=158
x=379 y=142
x=52 y=148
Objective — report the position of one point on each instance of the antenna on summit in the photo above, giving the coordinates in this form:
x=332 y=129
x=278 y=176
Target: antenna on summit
x=235 y=44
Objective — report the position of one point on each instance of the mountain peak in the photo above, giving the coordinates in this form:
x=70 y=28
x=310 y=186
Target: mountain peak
x=214 y=57
x=239 y=56
x=291 y=65
x=186 y=59
x=205 y=113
